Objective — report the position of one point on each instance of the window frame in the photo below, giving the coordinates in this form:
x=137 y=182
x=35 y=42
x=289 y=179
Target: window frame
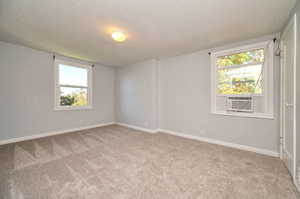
x=57 y=86
x=267 y=85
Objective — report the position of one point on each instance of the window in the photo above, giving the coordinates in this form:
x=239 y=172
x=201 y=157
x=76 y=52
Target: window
x=240 y=73
x=73 y=86
x=246 y=72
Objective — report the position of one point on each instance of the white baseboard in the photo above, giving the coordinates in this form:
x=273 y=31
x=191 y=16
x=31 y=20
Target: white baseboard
x=223 y=143
x=136 y=127
x=204 y=139
x=41 y=135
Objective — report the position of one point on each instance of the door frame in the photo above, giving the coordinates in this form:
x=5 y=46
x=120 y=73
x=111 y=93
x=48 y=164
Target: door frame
x=292 y=23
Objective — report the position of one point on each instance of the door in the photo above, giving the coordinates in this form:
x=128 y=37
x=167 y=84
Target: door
x=288 y=93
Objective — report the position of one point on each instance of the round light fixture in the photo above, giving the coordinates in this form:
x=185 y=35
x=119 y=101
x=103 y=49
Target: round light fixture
x=118 y=36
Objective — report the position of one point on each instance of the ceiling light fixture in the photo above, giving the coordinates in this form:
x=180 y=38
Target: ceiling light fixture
x=118 y=36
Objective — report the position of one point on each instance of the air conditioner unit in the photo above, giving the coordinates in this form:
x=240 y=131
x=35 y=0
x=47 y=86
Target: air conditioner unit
x=240 y=104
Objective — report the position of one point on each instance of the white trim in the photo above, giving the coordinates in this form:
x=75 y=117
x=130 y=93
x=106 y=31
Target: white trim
x=295 y=97
x=288 y=159
x=136 y=127
x=297 y=186
x=204 y=139
x=89 y=87
x=223 y=143
x=41 y=135
x=293 y=23
x=72 y=108
x=281 y=139
x=268 y=80
x=240 y=49
x=73 y=86
x=213 y=93
x=240 y=66
x=241 y=95
x=242 y=114
x=71 y=63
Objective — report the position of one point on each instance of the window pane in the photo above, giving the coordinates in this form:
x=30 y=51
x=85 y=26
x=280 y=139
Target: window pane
x=246 y=57
x=243 y=80
x=73 y=96
x=71 y=75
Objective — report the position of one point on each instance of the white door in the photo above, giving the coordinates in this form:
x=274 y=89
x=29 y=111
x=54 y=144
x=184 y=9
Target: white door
x=288 y=63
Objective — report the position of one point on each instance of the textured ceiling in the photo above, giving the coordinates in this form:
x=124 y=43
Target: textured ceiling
x=155 y=28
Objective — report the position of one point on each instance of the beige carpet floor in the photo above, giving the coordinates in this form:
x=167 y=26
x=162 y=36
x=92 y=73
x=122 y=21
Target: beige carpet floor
x=119 y=163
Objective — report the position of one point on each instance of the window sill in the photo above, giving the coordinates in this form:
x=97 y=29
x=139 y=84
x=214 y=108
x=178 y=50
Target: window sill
x=241 y=114
x=69 y=108
x=240 y=95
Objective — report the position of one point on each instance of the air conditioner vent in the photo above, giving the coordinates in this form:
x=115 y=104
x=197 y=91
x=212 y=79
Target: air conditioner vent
x=240 y=104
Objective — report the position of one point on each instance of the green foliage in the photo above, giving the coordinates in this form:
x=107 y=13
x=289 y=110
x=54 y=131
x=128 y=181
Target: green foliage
x=67 y=100
x=239 y=86
x=74 y=99
x=241 y=58
x=238 y=80
x=80 y=99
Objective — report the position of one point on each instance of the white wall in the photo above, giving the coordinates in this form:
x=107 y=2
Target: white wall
x=136 y=94
x=184 y=101
x=172 y=94
x=27 y=95
x=185 y=105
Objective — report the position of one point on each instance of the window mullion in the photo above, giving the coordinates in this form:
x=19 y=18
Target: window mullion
x=240 y=66
x=72 y=86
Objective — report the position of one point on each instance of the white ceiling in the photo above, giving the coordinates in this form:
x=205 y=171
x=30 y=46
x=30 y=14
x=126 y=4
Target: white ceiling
x=155 y=28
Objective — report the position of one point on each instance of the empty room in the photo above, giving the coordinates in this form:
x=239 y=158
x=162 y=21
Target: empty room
x=150 y=99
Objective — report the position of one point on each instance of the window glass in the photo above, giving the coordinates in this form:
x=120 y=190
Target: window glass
x=240 y=80
x=73 y=96
x=71 y=75
x=247 y=57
